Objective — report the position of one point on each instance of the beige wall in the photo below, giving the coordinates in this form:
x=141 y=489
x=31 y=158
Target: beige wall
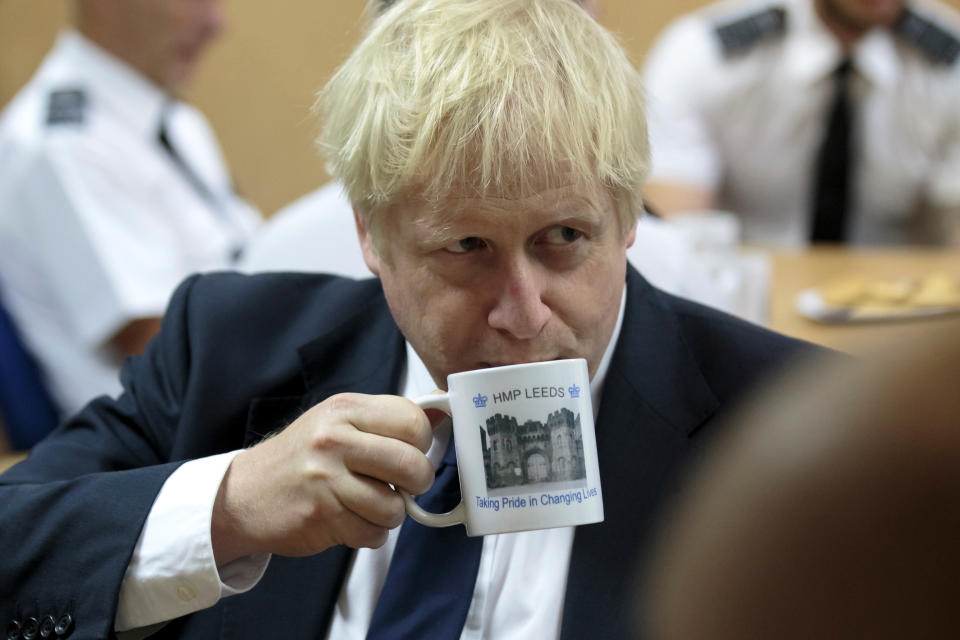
x=257 y=83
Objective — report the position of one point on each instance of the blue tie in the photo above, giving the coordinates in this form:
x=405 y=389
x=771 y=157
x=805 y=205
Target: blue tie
x=433 y=571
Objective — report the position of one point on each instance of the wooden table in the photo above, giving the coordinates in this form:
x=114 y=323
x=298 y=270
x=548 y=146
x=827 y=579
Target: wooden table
x=794 y=271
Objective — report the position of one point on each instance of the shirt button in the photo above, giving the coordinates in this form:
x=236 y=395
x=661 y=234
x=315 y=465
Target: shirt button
x=63 y=625
x=13 y=630
x=186 y=593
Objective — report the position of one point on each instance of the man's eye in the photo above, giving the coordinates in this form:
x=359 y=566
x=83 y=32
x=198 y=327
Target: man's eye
x=465 y=245
x=562 y=235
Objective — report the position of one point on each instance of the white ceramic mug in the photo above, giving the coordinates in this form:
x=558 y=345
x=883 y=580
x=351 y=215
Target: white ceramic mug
x=526 y=448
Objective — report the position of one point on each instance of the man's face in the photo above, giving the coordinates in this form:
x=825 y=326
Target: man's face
x=482 y=283
x=167 y=37
x=860 y=15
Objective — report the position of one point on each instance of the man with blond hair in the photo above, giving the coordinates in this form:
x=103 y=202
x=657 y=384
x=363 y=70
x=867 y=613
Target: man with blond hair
x=494 y=152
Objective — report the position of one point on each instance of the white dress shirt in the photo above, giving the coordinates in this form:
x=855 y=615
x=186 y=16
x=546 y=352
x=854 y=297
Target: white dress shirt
x=747 y=126
x=172 y=573
x=97 y=223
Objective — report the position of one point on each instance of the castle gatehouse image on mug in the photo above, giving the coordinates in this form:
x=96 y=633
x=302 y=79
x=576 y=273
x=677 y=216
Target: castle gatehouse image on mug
x=534 y=452
x=524 y=453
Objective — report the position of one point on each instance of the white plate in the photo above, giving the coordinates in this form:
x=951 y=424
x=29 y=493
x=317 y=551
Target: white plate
x=810 y=304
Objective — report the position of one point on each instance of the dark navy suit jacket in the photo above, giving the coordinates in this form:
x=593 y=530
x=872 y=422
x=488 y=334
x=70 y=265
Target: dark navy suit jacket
x=239 y=357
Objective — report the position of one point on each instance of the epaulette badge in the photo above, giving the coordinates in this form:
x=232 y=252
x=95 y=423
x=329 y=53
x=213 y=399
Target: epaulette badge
x=742 y=34
x=66 y=106
x=936 y=43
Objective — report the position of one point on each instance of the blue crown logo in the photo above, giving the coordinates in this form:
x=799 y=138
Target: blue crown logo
x=574 y=391
x=480 y=401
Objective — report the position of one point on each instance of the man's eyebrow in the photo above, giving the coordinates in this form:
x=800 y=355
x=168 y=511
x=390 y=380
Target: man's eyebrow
x=579 y=208
x=582 y=209
x=440 y=225
x=433 y=232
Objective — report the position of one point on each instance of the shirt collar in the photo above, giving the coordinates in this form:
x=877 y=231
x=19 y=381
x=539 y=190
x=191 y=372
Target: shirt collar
x=813 y=53
x=875 y=58
x=117 y=86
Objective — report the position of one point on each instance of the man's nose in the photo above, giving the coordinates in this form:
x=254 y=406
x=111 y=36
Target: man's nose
x=519 y=309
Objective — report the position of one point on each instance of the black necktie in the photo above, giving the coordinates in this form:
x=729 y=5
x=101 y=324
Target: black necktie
x=832 y=175
x=163 y=137
x=433 y=571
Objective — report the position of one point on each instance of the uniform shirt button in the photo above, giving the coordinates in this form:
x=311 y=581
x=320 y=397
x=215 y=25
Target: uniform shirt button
x=63 y=625
x=186 y=593
x=47 y=625
x=30 y=629
x=13 y=630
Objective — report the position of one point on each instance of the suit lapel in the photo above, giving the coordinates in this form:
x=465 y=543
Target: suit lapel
x=296 y=597
x=362 y=354
x=654 y=397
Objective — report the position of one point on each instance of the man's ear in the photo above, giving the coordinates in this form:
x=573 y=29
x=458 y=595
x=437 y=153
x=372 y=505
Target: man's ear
x=366 y=245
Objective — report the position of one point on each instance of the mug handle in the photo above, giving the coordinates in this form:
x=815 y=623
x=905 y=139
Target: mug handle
x=456 y=515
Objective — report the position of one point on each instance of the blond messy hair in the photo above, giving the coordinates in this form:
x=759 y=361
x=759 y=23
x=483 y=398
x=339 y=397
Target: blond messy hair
x=507 y=98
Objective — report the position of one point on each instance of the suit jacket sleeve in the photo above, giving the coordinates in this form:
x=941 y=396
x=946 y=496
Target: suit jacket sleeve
x=72 y=512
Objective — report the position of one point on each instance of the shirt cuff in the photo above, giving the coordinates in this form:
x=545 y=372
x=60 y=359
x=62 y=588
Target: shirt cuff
x=172 y=572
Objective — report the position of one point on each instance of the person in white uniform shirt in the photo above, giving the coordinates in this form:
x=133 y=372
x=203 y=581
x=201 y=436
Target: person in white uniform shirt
x=111 y=189
x=741 y=100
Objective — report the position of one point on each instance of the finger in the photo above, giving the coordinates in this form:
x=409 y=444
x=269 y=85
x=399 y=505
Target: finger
x=384 y=415
x=356 y=531
x=389 y=460
x=373 y=500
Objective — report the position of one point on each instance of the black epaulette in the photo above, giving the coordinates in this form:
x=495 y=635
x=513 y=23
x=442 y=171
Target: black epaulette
x=67 y=106
x=742 y=34
x=936 y=43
